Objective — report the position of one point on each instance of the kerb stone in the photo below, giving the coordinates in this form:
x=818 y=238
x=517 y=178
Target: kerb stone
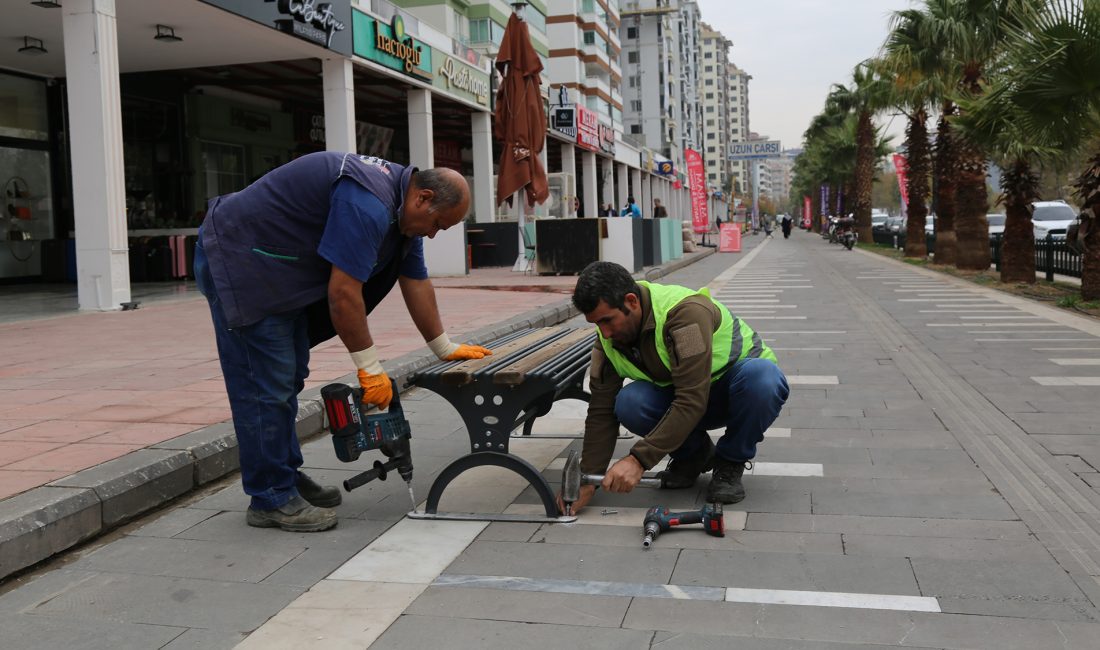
x=47 y=520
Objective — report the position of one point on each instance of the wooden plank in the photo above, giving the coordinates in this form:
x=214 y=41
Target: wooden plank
x=463 y=373
x=514 y=373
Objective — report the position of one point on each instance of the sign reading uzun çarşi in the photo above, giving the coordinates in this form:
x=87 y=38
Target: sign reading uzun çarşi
x=754 y=149
x=697 y=183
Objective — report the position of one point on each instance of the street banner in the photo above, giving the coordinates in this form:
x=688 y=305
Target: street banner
x=902 y=167
x=697 y=184
x=807 y=212
x=839 y=200
x=825 y=199
x=729 y=238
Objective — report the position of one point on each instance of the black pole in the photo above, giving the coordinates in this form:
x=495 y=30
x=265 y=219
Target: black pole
x=1050 y=257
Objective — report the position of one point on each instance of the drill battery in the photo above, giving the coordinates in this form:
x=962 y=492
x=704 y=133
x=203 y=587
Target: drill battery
x=354 y=431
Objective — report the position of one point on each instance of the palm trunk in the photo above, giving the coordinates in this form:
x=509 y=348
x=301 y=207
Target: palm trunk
x=1088 y=190
x=972 y=202
x=1020 y=186
x=916 y=143
x=865 y=172
x=945 y=170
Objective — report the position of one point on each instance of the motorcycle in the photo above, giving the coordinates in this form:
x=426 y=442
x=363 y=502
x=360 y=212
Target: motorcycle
x=846 y=232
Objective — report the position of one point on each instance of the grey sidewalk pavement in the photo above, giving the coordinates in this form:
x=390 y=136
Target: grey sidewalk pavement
x=931 y=483
x=46 y=520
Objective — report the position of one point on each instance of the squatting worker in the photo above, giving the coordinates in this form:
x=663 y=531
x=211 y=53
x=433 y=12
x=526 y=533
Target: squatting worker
x=303 y=254
x=694 y=367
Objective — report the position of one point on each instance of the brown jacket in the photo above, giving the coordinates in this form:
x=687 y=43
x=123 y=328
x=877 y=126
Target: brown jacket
x=690 y=377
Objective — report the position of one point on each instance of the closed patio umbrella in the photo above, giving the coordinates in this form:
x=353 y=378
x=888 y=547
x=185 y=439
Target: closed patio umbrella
x=520 y=119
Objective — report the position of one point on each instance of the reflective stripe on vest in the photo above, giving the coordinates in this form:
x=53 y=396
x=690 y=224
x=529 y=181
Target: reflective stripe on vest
x=733 y=336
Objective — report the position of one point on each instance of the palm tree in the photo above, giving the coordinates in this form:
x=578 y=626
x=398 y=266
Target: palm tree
x=917 y=68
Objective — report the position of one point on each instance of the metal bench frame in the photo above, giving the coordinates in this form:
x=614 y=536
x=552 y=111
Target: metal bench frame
x=529 y=370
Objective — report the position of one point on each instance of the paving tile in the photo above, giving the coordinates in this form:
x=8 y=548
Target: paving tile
x=419 y=632
x=810 y=572
x=183 y=558
x=521 y=606
x=566 y=562
x=12 y=451
x=337 y=615
x=74 y=457
x=958 y=507
x=13 y=482
x=144 y=433
x=413 y=551
x=890 y=526
x=194 y=639
x=179 y=602
x=995 y=580
x=59 y=431
x=171 y=522
x=689 y=641
x=1022 y=608
x=24 y=631
x=691 y=537
x=499 y=531
x=1021 y=551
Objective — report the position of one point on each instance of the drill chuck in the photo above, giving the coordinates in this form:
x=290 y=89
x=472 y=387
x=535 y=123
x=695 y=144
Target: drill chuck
x=652 y=530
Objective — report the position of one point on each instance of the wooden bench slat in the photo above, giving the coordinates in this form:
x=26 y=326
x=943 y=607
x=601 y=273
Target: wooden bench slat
x=463 y=373
x=514 y=373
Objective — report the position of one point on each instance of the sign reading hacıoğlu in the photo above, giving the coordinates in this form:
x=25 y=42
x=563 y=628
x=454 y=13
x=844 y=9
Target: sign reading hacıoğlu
x=588 y=129
x=324 y=23
x=390 y=46
x=454 y=75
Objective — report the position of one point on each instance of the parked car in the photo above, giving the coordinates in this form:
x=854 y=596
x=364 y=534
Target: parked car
x=878 y=221
x=895 y=225
x=1051 y=218
x=930 y=224
x=996 y=224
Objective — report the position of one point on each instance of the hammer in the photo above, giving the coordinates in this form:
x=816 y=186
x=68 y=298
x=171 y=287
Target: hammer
x=572 y=479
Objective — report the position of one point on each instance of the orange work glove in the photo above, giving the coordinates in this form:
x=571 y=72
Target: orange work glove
x=447 y=351
x=465 y=351
x=377 y=389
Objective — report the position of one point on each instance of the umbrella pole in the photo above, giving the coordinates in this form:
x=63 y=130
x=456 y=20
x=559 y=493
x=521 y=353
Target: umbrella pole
x=522 y=264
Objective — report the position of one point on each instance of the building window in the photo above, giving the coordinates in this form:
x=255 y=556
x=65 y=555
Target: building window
x=590 y=38
x=709 y=68
x=710 y=109
x=632 y=32
x=636 y=105
x=710 y=82
x=632 y=57
x=708 y=55
x=479 y=30
x=710 y=149
x=635 y=129
x=710 y=95
x=710 y=122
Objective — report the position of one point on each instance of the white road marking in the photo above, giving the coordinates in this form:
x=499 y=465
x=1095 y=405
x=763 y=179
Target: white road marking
x=1067 y=381
x=812 y=379
x=1076 y=362
x=832 y=599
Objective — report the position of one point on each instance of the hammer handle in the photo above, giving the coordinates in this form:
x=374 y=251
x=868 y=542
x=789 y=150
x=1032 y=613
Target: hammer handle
x=597 y=479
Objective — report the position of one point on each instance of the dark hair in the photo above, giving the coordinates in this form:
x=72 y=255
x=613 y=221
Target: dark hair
x=630 y=199
x=604 y=281
x=448 y=193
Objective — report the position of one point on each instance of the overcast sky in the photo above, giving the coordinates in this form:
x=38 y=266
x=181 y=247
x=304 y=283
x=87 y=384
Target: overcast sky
x=796 y=50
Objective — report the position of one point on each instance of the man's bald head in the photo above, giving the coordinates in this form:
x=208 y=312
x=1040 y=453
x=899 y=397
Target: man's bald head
x=436 y=200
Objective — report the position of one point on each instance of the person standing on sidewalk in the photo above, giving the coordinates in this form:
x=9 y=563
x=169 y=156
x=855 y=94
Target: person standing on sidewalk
x=694 y=367
x=297 y=257
x=659 y=211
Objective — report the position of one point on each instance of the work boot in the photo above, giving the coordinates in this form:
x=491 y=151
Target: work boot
x=725 y=483
x=321 y=496
x=682 y=473
x=296 y=516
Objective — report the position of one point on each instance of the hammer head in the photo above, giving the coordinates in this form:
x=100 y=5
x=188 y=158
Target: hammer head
x=571 y=478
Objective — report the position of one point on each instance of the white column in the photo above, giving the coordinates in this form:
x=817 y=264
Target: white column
x=608 y=173
x=542 y=210
x=569 y=168
x=645 y=197
x=636 y=186
x=339 y=89
x=95 y=136
x=590 y=200
x=621 y=186
x=421 y=140
x=485 y=190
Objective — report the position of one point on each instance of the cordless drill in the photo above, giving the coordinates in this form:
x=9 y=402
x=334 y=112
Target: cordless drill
x=658 y=519
x=354 y=431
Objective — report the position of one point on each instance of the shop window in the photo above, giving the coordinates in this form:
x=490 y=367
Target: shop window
x=222 y=168
x=23 y=108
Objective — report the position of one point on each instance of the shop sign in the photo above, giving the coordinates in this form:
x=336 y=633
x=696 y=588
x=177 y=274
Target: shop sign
x=607 y=139
x=390 y=46
x=697 y=185
x=309 y=127
x=461 y=80
x=323 y=23
x=665 y=168
x=563 y=120
x=588 y=129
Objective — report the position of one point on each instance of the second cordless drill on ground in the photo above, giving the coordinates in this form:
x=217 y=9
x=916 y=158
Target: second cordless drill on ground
x=659 y=519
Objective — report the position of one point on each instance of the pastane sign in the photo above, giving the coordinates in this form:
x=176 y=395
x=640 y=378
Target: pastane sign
x=459 y=79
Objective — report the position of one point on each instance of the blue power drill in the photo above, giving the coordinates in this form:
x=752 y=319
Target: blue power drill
x=354 y=431
x=658 y=519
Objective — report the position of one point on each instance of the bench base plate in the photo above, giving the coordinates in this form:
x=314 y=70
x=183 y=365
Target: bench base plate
x=492 y=516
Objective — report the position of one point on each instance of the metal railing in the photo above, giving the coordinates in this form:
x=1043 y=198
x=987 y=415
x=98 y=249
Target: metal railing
x=1052 y=256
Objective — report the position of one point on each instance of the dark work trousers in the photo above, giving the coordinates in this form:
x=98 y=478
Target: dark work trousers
x=744 y=401
x=265 y=366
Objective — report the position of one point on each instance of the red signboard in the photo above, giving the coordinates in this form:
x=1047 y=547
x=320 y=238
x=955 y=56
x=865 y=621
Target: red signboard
x=807 y=212
x=902 y=166
x=588 y=129
x=729 y=238
x=697 y=184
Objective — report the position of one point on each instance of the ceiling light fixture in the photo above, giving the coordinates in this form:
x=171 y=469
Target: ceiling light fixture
x=32 y=46
x=167 y=34
x=46 y=4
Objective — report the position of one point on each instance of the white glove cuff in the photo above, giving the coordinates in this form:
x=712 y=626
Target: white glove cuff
x=368 y=360
x=442 y=347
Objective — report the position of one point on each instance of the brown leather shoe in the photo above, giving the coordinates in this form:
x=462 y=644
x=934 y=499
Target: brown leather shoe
x=296 y=516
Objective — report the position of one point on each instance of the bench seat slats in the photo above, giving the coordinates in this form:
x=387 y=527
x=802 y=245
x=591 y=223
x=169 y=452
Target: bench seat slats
x=514 y=373
x=463 y=373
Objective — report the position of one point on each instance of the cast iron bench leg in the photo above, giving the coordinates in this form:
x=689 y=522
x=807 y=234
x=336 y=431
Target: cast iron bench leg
x=484 y=458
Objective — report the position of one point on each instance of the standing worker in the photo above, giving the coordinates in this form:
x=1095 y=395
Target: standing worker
x=301 y=255
x=659 y=211
x=694 y=367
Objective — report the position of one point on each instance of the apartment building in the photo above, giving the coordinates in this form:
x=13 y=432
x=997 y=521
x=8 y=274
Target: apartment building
x=714 y=51
x=738 y=123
